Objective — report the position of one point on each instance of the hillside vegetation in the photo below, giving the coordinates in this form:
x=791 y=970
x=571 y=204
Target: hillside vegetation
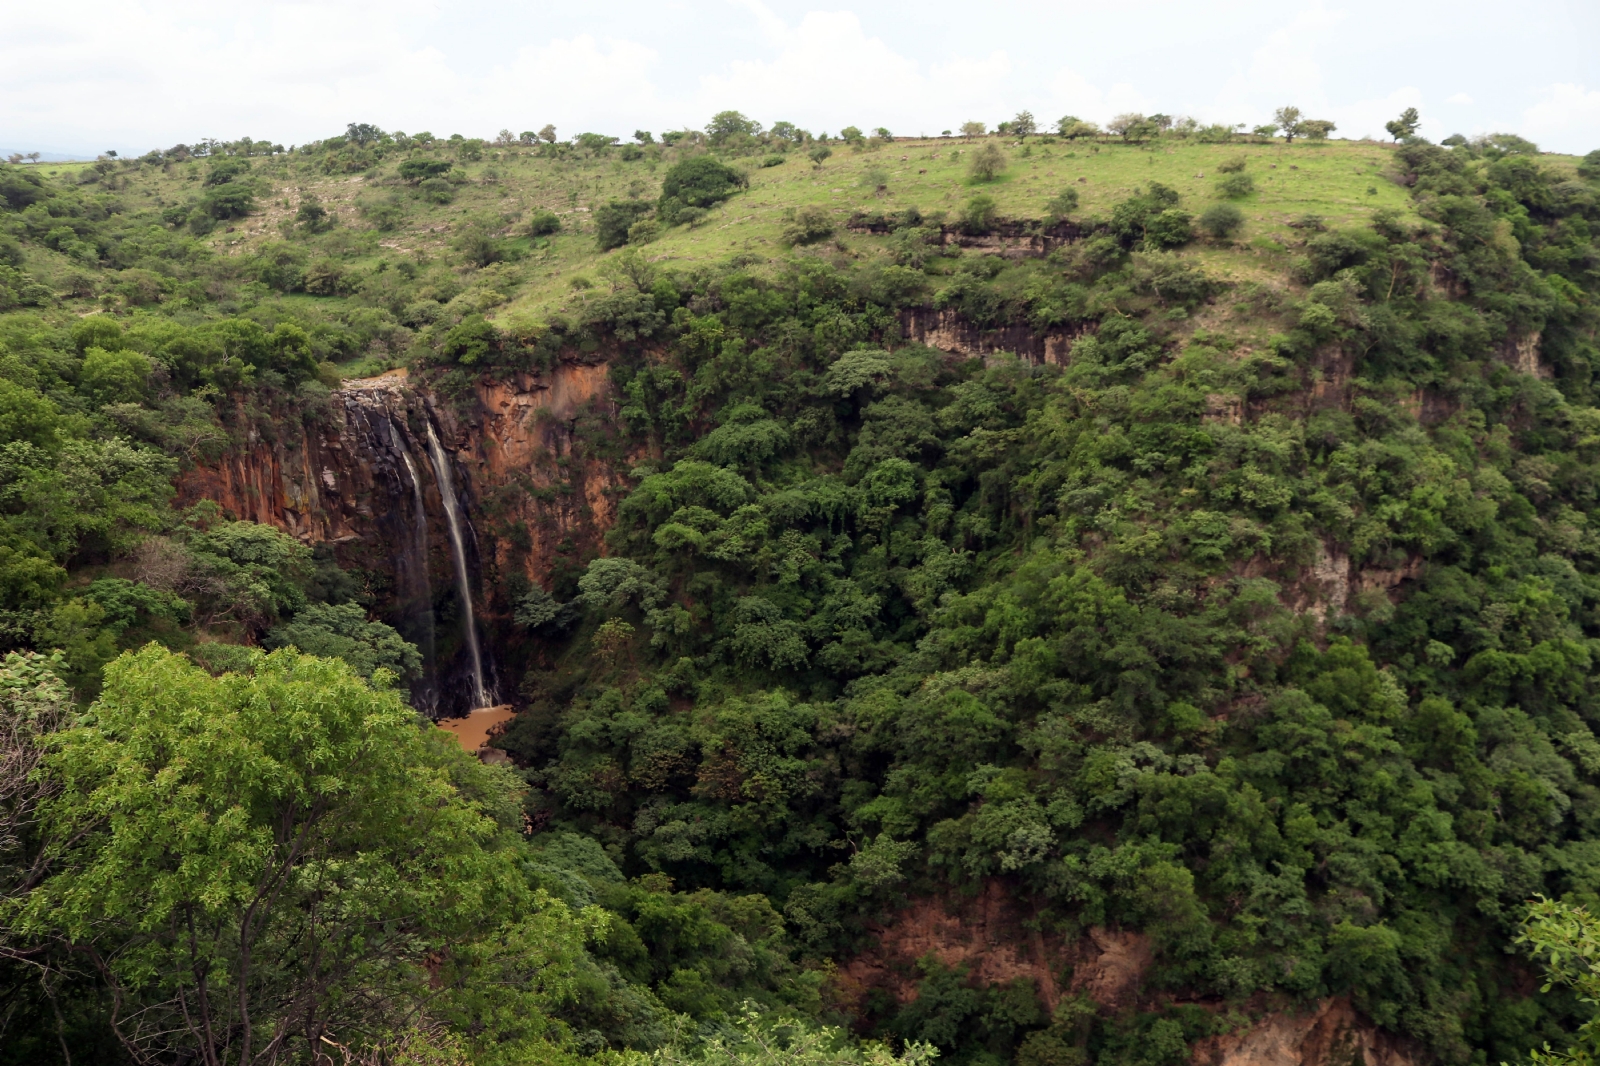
x=1262 y=624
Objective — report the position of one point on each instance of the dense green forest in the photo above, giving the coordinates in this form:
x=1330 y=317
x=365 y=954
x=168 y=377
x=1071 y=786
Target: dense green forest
x=1262 y=624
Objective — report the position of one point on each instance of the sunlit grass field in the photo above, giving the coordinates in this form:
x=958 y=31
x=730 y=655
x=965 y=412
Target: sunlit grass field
x=1342 y=182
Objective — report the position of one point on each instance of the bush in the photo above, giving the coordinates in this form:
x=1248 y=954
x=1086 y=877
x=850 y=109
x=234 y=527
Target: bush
x=543 y=222
x=472 y=342
x=385 y=215
x=987 y=163
x=612 y=221
x=1062 y=203
x=436 y=191
x=773 y=161
x=229 y=200
x=1169 y=229
x=1236 y=186
x=416 y=170
x=1234 y=165
x=644 y=231
x=978 y=214
x=808 y=226
x=697 y=182
x=1589 y=165
x=1221 y=221
x=818 y=153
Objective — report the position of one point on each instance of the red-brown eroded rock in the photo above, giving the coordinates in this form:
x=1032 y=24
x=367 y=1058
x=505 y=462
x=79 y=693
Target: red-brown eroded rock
x=1331 y=1034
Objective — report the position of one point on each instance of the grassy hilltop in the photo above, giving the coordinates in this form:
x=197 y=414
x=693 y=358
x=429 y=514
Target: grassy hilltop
x=380 y=219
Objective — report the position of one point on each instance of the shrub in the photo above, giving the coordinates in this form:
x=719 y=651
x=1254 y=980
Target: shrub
x=1221 y=220
x=436 y=191
x=1169 y=229
x=700 y=182
x=1062 y=203
x=229 y=200
x=987 y=163
x=471 y=342
x=1589 y=166
x=818 y=153
x=808 y=226
x=644 y=231
x=611 y=221
x=383 y=214
x=773 y=161
x=415 y=170
x=1233 y=165
x=978 y=214
x=543 y=222
x=1236 y=186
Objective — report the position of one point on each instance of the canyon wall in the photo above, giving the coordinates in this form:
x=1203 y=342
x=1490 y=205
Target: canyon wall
x=359 y=480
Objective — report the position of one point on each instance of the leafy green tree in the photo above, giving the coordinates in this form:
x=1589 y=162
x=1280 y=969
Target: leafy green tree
x=114 y=377
x=543 y=222
x=1287 y=121
x=1566 y=939
x=1130 y=125
x=809 y=225
x=342 y=631
x=229 y=200
x=987 y=163
x=471 y=342
x=1024 y=125
x=1405 y=126
x=1316 y=129
x=699 y=182
x=1062 y=203
x=852 y=136
x=818 y=154
x=1236 y=186
x=416 y=170
x=312 y=865
x=973 y=129
x=731 y=125
x=978 y=213
x=1221 y=220
x=613 y=220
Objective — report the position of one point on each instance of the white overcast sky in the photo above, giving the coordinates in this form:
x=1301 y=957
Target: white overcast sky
x=81 y=77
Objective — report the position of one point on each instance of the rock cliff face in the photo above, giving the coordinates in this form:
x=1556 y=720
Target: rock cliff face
x=364 y=482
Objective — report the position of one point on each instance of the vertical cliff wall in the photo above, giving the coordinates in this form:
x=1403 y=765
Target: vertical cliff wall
x=362 y=480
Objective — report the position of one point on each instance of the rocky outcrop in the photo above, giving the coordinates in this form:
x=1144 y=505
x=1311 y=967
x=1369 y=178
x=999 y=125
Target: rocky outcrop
x=1330 y=1034
x=995 y=940
x=948 y=331
x=361 y=478
x=552 y=496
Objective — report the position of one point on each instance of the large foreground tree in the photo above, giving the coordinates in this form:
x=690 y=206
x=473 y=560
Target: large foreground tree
x=261 y=866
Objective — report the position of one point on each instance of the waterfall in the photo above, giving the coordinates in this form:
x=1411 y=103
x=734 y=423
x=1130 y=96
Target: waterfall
x=421 y=590
x=452 y=514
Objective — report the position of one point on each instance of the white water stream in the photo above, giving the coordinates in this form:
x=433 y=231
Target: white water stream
x=452 y=514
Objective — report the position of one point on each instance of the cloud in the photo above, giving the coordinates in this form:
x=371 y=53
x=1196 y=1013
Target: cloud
x=612 y=80
x=1458 y=98
x=1073 y=94
x=1568 y=117
x=1283 y=69
x=827 y=71
x=1365 y=118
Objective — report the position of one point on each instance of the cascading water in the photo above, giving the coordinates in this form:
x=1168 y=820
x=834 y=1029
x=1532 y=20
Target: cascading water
x=452 y=514
x=421 y=591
